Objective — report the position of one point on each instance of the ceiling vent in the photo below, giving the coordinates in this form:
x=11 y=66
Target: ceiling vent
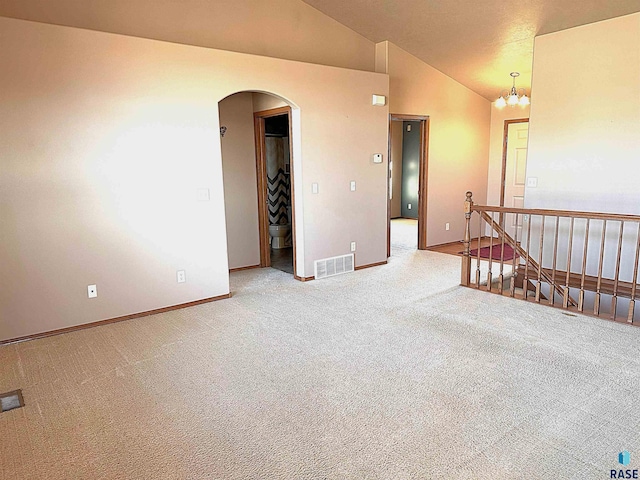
x=329 y=267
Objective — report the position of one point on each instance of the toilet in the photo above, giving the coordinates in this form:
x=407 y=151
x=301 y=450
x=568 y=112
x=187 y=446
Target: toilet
x=278 y=235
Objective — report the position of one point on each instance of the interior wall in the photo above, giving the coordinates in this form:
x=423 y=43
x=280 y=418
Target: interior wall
x=410 y=168
x=396 y=169
x=585 y=118
x=262 y=101
x=112 y=171
x=240 y=182
x=498 y=116
x=288 y=29
x=583 y=136
x=458 y=138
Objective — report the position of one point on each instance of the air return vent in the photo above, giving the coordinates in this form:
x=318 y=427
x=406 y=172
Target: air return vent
x=11 y=400
x=328 y=267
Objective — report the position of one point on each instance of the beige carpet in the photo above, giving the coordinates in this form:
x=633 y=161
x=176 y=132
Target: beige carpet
x=391 y=372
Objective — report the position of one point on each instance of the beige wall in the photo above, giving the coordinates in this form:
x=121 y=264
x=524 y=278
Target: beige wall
x=263 y=102
x=584 y=133
x=240 y=183
x=584 y=137
x=396 y=174
x=498 y=116
x=288 y=29
x=107 y=144
x=458 y=138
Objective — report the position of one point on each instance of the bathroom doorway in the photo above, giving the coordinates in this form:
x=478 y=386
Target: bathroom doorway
x=274 y=162
x=407 y=185
x=257 y=166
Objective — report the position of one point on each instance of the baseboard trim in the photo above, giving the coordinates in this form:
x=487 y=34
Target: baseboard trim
x=239 y=269
x=304 y=279
x=113 y=320
x=377 y=264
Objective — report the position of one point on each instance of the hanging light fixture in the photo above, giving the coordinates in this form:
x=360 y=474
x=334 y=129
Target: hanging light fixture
x=513 y=97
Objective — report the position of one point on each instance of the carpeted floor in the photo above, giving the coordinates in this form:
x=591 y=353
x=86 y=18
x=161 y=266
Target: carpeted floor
x=391 y=372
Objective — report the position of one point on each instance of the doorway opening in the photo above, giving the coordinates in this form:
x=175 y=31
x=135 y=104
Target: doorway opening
x=272 y=127
x=255 y=131
x=513 y=175
x=407 y=182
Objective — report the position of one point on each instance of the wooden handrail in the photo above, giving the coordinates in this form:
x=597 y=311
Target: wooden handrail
x=559 y=278
x=558 y=213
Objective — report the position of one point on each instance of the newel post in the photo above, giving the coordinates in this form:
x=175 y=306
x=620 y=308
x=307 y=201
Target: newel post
x=465 y=278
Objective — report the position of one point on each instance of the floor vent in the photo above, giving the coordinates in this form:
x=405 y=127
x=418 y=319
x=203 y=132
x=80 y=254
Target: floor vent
x=11 y=400
x=328 y=267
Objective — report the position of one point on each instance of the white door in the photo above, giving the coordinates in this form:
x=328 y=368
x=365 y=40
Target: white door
x=515 y=169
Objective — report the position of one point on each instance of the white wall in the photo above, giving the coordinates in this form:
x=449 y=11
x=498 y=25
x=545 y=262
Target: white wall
x=288 y=29
x=585 y=118
x=584 y=139
x=396 y=174
x=107 y=140
x=240 y=182
x=458 y=138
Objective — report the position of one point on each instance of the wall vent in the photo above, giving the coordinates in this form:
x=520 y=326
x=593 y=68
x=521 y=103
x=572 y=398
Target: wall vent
x=328 y=267
x=11 y=400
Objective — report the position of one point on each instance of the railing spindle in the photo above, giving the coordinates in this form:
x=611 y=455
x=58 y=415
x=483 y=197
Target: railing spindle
x=465 y=274
x=596 y=305
x=584 y=266
x=539 y=284
x=552 y=292
x=502 y=224
x=489 y=279
x=478 y=253
x=525 y=278
x=514 y=271
x=565 y=298
x=632 y=302
x=616 y=278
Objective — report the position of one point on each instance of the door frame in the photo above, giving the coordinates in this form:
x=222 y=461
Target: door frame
x=505 y=137
x=263 y=196
x=422 y=177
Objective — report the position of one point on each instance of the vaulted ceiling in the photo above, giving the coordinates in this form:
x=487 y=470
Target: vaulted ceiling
x=476 y=42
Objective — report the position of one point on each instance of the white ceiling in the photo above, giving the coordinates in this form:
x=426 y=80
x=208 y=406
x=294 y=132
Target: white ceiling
x=476 y=42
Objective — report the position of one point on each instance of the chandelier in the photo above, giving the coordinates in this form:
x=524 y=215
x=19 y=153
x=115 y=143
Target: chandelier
x=513 y=97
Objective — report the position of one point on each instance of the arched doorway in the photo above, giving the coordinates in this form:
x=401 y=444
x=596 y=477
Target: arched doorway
x=258 y=174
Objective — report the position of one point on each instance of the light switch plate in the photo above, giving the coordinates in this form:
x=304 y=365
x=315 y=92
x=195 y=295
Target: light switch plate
x=353 y=246
x=314 y=188
x=379 y=100
x=353 y=186
x=203 y=195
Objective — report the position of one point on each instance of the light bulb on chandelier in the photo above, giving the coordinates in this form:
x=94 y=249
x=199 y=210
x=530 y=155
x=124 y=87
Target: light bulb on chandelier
x=514 y=96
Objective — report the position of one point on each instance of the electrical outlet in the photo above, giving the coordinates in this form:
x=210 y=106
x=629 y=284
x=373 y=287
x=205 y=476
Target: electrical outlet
x=314 y=188
x=181 y=276
x=532 y=182
x=92 y=291
x=353 y=246
x=446 y=226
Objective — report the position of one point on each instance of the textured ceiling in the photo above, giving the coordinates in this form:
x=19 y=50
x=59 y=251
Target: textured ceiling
x=478 y=43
